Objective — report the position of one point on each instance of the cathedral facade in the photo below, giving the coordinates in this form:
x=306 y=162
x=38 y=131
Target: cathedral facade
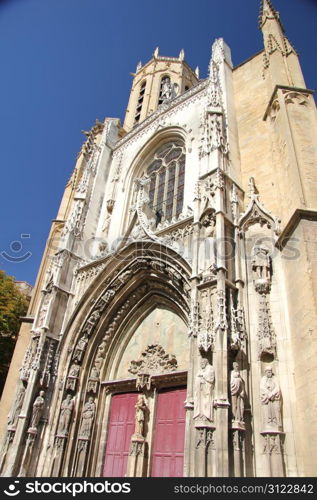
x=172 y=328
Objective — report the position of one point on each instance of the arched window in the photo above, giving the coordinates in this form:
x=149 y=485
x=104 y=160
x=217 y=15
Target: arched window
x=139 y=103
x=167 y=171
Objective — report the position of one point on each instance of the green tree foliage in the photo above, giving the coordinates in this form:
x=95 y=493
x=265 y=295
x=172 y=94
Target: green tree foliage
x=13 y=305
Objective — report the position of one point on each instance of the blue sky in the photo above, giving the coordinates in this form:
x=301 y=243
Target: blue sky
x=65 y=63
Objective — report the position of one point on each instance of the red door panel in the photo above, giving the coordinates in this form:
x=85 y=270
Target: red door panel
x=169 y=434
x=121 y=428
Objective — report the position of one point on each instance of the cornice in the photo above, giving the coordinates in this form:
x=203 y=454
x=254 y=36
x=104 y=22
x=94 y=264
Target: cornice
x=293 y=222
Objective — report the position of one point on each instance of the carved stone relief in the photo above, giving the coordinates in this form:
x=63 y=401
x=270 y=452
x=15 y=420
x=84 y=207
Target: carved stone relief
x=153 y=361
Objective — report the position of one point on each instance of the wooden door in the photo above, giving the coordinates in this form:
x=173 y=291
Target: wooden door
x=121 y=428
x=169 y=434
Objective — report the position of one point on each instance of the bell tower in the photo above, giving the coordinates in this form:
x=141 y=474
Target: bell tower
x=155 y=83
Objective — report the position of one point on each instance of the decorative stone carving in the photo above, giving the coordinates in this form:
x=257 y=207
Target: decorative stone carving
x=205 y=335
x=141 y=410
x=237 y=393
x=45 y=303
x=93 y=380
x=16 y=408
x=48 y=362
x=270 y=396
x=80 y=348
x=154 y=361
x=105 y=299
x=205 y=438
x=208 y=245
x=204 y=395
x=261 y=267
x=221 y=322
x=38 y=406
x=65 y=416
x=272 y=444
x=256 y=213
x=237 y=325
x=91 y=322
x=266 y=334
x=73 y=376
x=88 y=415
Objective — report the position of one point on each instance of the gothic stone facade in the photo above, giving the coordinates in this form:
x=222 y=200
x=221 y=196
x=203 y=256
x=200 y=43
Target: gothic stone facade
x=172 y=329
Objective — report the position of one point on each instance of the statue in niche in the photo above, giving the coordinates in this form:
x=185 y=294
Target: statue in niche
x=204 y=393
x=208 y=247
x=261 y=263
x=74 y=370
x=140 y=413
x=80 y=348
x=237 y=393
x=166 y=90
x=88 y=415
x=270 y=396
x=66 y=412
x=13 y=416
x=38 y=406
x=93 y=380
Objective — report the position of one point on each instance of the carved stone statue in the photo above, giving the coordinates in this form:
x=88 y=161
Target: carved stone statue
x=270 y=396
x=140 y=413
x=93 y=380
x=208 y=247
x=204 y=393
x=74 y=370
x=65 y=415
x=37 y=410
x=91 y=322
x=261 y=264
x=166 y=90
x=13 y=416
x=237 y=393
x=80 y=348
x=88 y=415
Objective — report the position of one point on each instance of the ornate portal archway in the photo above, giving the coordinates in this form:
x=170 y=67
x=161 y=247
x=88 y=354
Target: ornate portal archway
x=128 y=334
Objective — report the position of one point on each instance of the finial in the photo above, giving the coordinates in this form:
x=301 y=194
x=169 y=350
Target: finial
x=156 y=52
x=253 y=192
x=138 y=66
x=267 y=11
x=181 y=56
x=197 y=71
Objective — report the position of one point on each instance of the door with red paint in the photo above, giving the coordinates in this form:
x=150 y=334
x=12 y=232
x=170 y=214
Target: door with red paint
x=169 y=434
x=121 y=428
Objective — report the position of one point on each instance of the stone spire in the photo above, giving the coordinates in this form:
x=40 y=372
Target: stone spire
x=280 y=57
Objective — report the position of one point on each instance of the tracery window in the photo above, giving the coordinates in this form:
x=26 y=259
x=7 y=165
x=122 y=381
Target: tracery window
x=167 y=172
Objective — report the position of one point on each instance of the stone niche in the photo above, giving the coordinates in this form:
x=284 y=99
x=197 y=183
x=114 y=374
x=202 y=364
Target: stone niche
x=162 y=327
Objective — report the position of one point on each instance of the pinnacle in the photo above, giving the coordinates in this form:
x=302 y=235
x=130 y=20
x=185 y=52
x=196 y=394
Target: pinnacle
x=267 y=11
